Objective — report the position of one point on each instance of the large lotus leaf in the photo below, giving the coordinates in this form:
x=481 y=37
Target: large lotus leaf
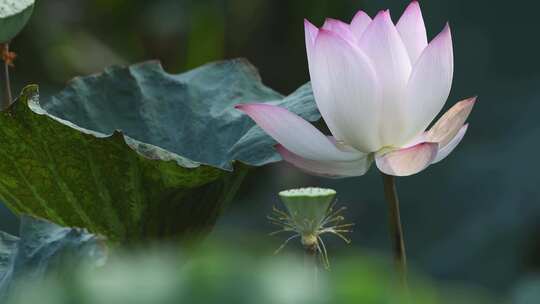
x=136 y=153
x=42 y=248
x=14 y=14
x=191 y=114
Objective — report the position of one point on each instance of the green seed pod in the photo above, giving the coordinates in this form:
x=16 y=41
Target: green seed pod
x=308 y=206
x=14 y=14
x=310 y=214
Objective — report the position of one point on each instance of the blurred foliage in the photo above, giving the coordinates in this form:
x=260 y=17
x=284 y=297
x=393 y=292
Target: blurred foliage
x=45 y=248
x=181 y=33
x=14 y=14
x=217 y=274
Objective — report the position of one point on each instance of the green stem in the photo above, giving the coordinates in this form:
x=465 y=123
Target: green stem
x=400 y=257
x=7 y=81
x=311 y=262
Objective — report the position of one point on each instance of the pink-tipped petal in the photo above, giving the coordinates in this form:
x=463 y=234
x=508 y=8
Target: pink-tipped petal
x=446 y=128
x=339 y=28
x=408 y=161
x=360 y=23
x=413 y=31
x=333 y=169
x=430 y=83
x=311 y=32
x=451 y=145
x=382 y=44
x=346 y=91
x=294 y=133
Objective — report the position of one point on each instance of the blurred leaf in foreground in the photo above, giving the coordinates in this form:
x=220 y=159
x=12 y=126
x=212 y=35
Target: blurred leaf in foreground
x=218 y=275
x=14 y=14
x=42 y=248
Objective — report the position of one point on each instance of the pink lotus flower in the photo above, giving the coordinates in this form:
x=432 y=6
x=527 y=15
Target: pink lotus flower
x=378 y=87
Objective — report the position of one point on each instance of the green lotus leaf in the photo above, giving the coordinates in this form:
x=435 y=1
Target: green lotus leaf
x=136 y=153
x=14 y=14
x=42 y=248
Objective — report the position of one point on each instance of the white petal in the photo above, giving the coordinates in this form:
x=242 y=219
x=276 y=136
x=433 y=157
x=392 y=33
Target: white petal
x=382 y=44
x=294 y=133
x=360 y=23
x=452 y=144
x=346 y=91
x=334 y=169
x=407 y=161
x=446 y=128
x=430 y=83
x=413 y=31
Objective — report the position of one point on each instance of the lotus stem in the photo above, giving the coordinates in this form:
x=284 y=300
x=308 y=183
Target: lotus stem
x=7 y=80
x=396 y=231
x=311 y=262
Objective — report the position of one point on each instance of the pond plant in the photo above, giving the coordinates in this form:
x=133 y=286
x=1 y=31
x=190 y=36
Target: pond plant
x=378 y=86
x=135 y=155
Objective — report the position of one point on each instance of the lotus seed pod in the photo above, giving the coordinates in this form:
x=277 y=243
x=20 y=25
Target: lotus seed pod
x=309 y=215
x=14 y=14
x=308 y=206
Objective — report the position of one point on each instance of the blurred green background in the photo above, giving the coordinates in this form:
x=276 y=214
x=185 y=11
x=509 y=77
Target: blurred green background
x=473 y=219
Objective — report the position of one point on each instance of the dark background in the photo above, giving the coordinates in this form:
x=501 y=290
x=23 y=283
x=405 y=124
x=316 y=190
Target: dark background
x=473 y=219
